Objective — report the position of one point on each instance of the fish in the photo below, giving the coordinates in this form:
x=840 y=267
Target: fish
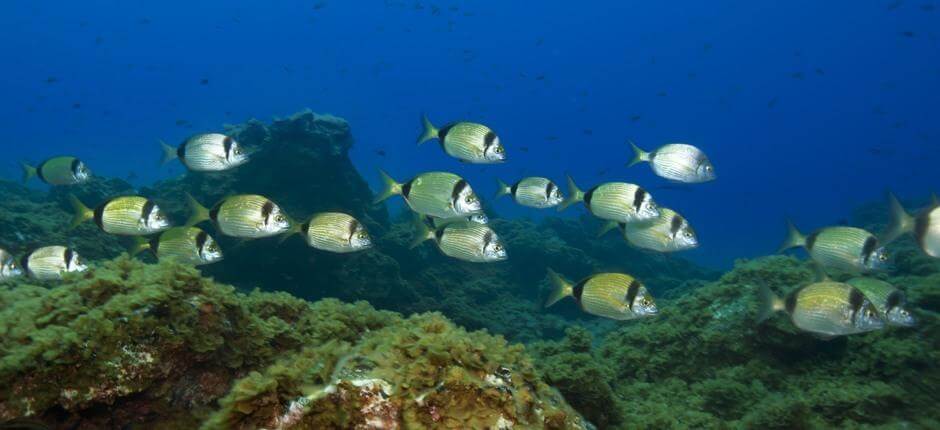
x=49 y=263
x=678 y=162
x=334 y=232
x=436 y=223
x=204 y=81
x=613 y=201
x=466 y=141
x=186 y=245
x=123 y=216
x=825 y=309
x=925 y=226
x=887 y=300
x=63 y=170
x=8 y=265
x=247 y=216
x=616 y=296
x=467 y=241
x=669 y=232
x=534 y=192
x=840 y=248
x=438 y=194
x=206 y=152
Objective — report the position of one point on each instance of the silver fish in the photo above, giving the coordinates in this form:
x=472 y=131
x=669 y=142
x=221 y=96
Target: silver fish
x=679 y=162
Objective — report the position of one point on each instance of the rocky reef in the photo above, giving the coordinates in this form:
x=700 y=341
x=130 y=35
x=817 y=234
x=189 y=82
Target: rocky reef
x=161 y=346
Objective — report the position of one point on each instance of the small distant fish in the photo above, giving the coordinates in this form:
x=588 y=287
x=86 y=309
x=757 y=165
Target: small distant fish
x=610 y=295
x=99 y=40
x=438 y=194
x=907 y=33
x=131 y=176
x=551 y=138
x=925 y=226
x=207 y=152
x=772 y=103
x=927 y=7
x=635 y=118
x=247 y=216
x=64 y=170
x=845 y=249
x=76 y=105
x=587 y=131
x=661 y=94
x=182 y=122
x=797 y=75
x=52 y=80
x=669 y=232
x=125 y=216
x=8 y=266
x=334 y=232
x=614 y=201
x=467 y=241
x=540 y=78
x=204 y=81
x=186 y=245
x=534 y=192
x=524 y=148
x=466 y=141
x=707 y=47
x=49 y=263
x=887 y=300
x=826 y=309
x=820 y=71
x=895 y=4
x=678 y=162
x=380 y=152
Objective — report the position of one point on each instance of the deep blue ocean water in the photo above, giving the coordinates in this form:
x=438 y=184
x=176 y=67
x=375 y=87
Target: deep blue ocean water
x=808 y=109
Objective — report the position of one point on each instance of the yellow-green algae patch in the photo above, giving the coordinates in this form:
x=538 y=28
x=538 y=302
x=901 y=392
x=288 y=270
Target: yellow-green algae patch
x=160 y=346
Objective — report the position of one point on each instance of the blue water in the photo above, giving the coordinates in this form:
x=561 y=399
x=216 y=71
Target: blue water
x=807 y=108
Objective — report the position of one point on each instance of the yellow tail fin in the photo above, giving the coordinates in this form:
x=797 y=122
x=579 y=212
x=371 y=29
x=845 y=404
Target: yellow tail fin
x=82 y=212
x=138 y=245
x=639 y=155
x=502 y=189
x=197 y=212
x=422 y=233
x=561 y=288
x=901 y=221
x=768 y=303
x=169 y=153
x=429 y=133
x=794 y=238
x=28 y=172
x=574 y=195
x=608 y=226
x=390 y=188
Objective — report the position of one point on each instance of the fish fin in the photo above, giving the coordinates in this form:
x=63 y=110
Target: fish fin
x=824 y=337
x=169 y=153
x=390 y=188
x=574 y=195
x=639 y=155
x=429 y=133
x=82 y=212
x=28 y=172
x=295 y=228
x=197 y=212
x=769 y=303
x=502 y=189
x=560 y=288
x=901 y=221
x=422 y=232
x=138 y=245
x=819 y=273
x=794 y=238
x=606 y=227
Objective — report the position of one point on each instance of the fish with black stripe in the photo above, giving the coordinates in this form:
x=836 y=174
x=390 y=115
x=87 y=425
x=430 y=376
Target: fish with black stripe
x=669 y=232
x=925 y=226
x=186 y=245
x=438 y=194
x=678 y=162
x=8 y=265
x=840 y=248
x=534 y=192
x=124 y=216
x=467 y=241
x=206 y=152
x=247 y=216
x=64 y=170
x=334 y=232
x=614 y=201
x=887 y=299
x=465 y=141
x=49 y=263
x=826 y=309
x=610 y=295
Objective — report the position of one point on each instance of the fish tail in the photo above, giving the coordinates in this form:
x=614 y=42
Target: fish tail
x=429 y=133
x=138 y=245
x=934 y=200
x=28 y=172
x=391 y=187
x=422 y=233
x=502 y=189
x=639 y=155
x=768 y=303
x=901 y=221
x=169 y=153
x=197 y=212
x=606 y=227
x=794 y=238
x=295 y=228
x=82 y=212
x=560 y=288
x=574 y=195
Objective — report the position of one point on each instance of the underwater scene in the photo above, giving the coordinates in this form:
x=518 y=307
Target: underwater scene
x=446 y=214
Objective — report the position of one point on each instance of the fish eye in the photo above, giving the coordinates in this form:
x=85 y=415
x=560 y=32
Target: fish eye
x=883 y=257
x=469 y=199
x=499 y=149
x=362 y=235
x=279 y=218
